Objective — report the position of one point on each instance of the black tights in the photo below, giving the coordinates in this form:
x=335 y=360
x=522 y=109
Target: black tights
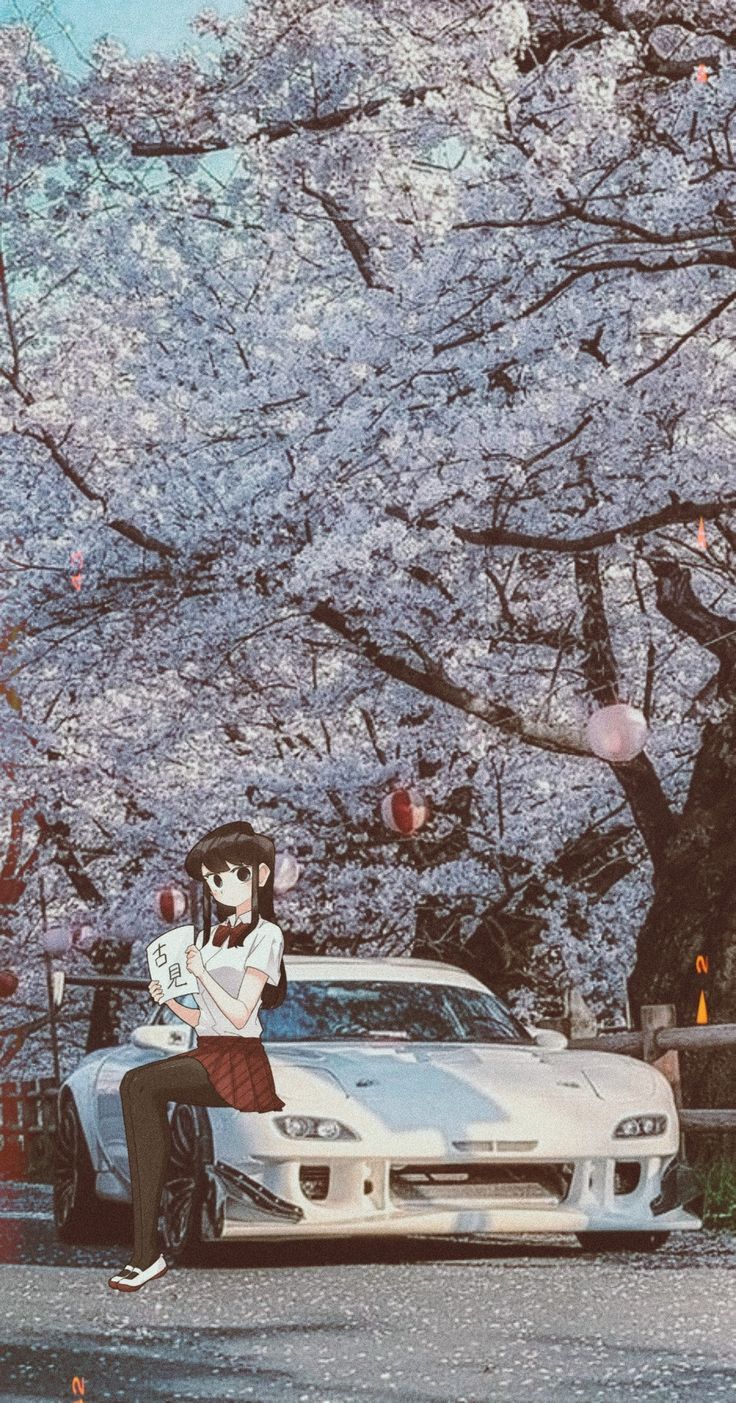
x=145 y=1093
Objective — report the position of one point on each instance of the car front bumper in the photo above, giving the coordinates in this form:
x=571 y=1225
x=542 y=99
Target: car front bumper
x=265 y=1200
x=680 y=1187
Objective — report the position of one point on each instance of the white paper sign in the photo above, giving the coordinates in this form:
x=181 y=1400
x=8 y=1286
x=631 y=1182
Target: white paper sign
x=167 y=964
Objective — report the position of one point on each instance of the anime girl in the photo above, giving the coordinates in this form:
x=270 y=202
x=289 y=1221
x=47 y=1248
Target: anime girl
x=229 y=1066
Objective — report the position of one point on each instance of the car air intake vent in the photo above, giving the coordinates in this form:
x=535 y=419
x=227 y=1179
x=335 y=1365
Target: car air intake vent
x=626 y=1176
x=314 y=1180
x=453 y=1184
x=521 y=1147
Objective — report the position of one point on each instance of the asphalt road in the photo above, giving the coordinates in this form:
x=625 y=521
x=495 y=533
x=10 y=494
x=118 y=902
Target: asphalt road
x=428 y=1320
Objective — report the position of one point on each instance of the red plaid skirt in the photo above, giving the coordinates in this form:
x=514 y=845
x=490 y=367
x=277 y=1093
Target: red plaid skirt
x=239 y=1070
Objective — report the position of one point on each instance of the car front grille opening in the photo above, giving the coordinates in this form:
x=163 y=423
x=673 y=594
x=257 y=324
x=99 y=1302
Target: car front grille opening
x=520 y=1147
x=314 y=1180
x=508 y=1184
x=626 y=1176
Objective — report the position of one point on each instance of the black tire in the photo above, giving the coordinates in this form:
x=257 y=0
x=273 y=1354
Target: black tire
x=622 y=1241
x=79 y=1215
x=74 y=1195
x=185 y=1186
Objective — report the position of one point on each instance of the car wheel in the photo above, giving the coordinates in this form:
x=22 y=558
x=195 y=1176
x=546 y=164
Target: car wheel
x=622 y=1241
x=185 y=1186
x=74 y=1179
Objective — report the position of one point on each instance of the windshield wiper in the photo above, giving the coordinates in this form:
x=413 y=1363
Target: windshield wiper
x=388 y=1033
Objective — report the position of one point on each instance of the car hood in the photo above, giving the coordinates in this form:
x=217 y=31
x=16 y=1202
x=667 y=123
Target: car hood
x=476 y=1081
x=614 y=1076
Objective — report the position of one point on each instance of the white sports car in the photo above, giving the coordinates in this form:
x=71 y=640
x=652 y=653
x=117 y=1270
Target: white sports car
x=415 y=1103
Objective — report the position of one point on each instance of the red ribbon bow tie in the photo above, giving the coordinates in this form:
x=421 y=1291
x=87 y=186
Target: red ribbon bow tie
x=227 y=933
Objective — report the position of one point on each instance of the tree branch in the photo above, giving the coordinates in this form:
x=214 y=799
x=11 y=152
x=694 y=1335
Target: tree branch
x=277 y=131
x=124 y=528
x=679 y=604
x=18 y=1035
x=56 y=833
x=436 y=684
x=708 y=258
x=571 y=209
x=686 y=336
x=13 y=378
x=9 y=320
x=353 y=241
x=678 y=513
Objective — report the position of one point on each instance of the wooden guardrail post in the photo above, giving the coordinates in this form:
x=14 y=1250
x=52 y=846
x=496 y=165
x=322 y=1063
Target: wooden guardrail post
x=654 y=1017
x=580 y=1019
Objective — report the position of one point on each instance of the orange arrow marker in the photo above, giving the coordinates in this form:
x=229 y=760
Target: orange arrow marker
x=701 y=535
x=702 y=1013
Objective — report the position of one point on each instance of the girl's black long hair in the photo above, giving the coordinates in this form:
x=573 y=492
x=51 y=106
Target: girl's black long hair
x=238 y=842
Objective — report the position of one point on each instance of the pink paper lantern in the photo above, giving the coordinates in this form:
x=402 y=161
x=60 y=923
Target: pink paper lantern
x=171 y=903
x=57 y=939
x=404 y=810
x=83 y=935
x=285 y=873
x=617 y=732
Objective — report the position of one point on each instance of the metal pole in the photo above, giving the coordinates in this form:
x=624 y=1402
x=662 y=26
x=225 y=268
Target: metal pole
x=106 y=981
x=49 y=987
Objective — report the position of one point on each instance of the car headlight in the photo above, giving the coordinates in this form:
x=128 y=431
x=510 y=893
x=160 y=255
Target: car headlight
x=313 y=1128
x=635 y=1126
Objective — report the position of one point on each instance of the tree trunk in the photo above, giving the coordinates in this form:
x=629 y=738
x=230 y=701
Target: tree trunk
x=693 y=914
x=107 y=1003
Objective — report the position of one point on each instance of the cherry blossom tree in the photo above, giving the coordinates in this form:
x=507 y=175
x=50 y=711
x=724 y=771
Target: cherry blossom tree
x=377 y=358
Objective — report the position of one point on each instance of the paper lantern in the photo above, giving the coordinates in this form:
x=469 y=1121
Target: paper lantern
x=285 y=873
x=404 y=810
x=8 y=983
x=57 y=939
x=83 y=935
x=171 y=903
x=617 y=732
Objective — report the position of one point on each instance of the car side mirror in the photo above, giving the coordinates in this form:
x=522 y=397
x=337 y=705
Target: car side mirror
x=164 y=1037
x=550 y=1039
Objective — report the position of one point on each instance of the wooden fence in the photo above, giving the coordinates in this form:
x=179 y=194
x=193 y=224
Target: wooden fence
x=27 y=1124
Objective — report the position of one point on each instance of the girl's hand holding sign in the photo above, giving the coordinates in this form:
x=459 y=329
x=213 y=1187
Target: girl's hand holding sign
x=156 y=992
x=194 y=961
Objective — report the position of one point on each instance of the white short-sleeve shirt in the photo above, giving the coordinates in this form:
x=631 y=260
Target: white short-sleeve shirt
x=263 y=949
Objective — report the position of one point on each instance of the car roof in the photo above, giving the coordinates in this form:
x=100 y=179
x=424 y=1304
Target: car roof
x=387 y=967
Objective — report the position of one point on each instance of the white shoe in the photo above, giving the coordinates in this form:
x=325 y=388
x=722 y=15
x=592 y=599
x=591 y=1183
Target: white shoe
x=132 y=1278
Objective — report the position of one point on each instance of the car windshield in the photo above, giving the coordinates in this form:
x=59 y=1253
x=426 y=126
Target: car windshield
x=317 y=1009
